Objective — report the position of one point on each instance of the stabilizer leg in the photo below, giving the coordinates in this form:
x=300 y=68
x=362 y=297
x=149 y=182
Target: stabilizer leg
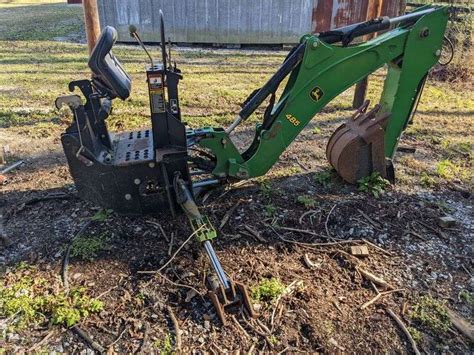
x=226 y=296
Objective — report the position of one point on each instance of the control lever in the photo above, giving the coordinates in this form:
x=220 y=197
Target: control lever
x=134 y=34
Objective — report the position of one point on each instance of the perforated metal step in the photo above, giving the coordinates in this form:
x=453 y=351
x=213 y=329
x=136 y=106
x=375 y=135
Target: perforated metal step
x=133 y=147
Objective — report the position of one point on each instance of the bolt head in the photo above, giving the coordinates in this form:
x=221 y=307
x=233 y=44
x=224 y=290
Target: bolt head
x=438 y=53
x=315 y=43
x=137 y=181
x=151 y=165
x=128 y=197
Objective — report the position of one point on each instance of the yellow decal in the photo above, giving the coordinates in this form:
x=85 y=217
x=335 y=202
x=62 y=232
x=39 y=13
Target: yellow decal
x=316 y=93
x=292 y=119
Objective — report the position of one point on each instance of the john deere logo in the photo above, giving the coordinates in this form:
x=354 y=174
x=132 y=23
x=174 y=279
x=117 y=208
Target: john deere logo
x=316 y=93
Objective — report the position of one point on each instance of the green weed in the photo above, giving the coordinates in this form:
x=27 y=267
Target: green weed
x=165 y=345
x=268 y=290
x=449 y=171
x=431 y=313
x=31 y=300
x=270 y=210
x=323 y=177
x=272 y=339
x=373 y=184
x=266 y=189
x=426 y=180
x=316 y=130
x=102 y=215
x=467 y=297
x=415 y=334
x=87 y=247
x=307 y=201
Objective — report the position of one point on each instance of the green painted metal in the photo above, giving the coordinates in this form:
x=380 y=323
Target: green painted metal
x=324 y=73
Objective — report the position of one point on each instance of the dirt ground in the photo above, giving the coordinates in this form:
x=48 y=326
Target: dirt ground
x=323 y=314
x=291 y=225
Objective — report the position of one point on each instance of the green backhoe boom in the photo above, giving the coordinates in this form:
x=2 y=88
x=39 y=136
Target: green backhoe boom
x=318 y=70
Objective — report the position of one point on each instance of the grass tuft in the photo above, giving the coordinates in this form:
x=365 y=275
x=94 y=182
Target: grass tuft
x=373 y=184
x=431 y=313
x=307 y=201
x=323 y=177
x=268 y=290
x=28 y=299
x=87 y=247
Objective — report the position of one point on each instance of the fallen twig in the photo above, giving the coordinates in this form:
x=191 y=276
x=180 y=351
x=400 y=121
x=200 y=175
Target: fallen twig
x=405 y=330
x=287 y=291
x=437 y=231
x=303 y=231
x=378 y=296
x=42 y=341
x=327 y=221
x=178 y=284
x=239 y=326
x=374 y=224
x=305 y=214
x=93 y=344
x=176 y=328
x=461 y=324
x=308 y=261
x=143 y=344
x=118 y=338
x=377 y=247
x=375 y=279
x=255 y=233
x=350 y=241
x=172 y=257
x=170 y=247
x=156 y=224
x=229 y=213
x=65 y=261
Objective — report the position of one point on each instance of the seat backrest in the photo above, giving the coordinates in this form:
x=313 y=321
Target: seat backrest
x=108 y=72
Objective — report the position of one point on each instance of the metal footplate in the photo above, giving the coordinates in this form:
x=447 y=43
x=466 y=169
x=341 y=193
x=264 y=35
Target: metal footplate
x=226 y=296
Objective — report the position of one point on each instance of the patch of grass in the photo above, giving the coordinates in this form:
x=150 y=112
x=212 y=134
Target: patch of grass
x=87 y=247
x=426 y=180
x=266 y=188
x=29 y=299
x=373 y=184
x=57 y=20
x=443 y=206
x=270 y=210
x=323 y=177
x=316 y=130
x=467 y=297
x=431 y=313
x=449 y=170
x=415 y=334
x=165 y=345
x=102 y=215
x=272 y=339
x=268 y=290
x=289 y=171
x=307 y=201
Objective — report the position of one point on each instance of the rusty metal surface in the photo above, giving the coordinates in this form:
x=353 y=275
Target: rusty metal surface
x=235 y=300
x=356 y=148
x=329 y=14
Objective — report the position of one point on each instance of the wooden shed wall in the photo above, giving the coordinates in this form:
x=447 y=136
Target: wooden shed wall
x=236 y=21
x=211 y=21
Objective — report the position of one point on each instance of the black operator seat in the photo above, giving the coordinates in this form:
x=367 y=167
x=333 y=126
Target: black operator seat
x=109 y=77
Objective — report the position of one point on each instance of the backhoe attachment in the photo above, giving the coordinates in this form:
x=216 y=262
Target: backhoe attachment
x=356 y=148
